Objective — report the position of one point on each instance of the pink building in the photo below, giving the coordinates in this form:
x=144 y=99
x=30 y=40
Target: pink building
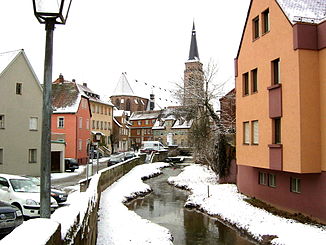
x=71 y=118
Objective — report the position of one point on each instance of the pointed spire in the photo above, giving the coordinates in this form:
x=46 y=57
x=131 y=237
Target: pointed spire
x=123 y=87
x=193 y=52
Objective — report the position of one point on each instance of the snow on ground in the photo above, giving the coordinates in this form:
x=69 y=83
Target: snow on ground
x=117 y=225
x=77 y=171
x=226 y=202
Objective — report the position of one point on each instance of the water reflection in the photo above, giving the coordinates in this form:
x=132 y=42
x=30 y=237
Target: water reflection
x=165 y=206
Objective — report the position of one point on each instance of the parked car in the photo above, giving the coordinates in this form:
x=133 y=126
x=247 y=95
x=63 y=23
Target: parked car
x=116 y=158
x=59 y=195
x=71 y=164
x=147 y=150
x=10 y=218
x=22 y=193
x=129 y=155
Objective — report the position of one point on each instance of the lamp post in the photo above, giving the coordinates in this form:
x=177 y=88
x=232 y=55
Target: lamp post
x=98 y=139
x=48 y=12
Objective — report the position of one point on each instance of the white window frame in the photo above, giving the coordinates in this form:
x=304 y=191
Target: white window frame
x=271 y=180
x=262 y=178
x=87 y=123
x=295 y=185
x=80 y=144
x=80 y=122
x=61 y=122
x=33 y=123
x=255 y=132
x=246 y=133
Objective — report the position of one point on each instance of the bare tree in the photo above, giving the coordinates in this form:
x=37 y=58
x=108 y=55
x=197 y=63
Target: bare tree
x=210 y=127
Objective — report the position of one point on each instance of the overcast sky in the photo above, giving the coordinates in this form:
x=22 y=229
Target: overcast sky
x=148 y=39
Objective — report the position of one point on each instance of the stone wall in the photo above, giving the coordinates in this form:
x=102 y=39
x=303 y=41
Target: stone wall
x=82 y=229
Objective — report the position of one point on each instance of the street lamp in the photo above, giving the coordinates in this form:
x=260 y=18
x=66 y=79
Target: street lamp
x=48 y=12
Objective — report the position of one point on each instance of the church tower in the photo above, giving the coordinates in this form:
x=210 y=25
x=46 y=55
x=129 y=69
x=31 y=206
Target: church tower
x=193 y=74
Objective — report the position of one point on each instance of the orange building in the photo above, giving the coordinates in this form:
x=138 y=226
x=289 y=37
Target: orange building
x=71 y=118
x=281 y=105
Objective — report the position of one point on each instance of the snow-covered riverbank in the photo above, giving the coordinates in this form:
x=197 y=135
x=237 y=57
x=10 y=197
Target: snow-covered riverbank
x=117 y=225
x=225 y=201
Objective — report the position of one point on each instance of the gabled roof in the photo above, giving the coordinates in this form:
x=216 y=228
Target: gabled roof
x=306 y=11
x=309 y=11
x=7 y=58
x=65 y=97
x=123 y=87
x=92 y=95
x=141 y=115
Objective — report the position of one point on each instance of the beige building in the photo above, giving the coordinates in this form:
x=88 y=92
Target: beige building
x=102 y=118
x=20 y=115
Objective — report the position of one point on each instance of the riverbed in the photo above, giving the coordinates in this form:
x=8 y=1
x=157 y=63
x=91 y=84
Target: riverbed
x=165 y=207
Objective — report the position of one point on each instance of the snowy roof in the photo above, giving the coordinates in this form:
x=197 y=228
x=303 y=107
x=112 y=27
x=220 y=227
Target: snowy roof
x=92 y=95
x=65 y=97
x=123 y=87
x=139 y=115
x=181 y=123
x=158 y=125
x=118 y=113
x=6 y=58
x=311 y=11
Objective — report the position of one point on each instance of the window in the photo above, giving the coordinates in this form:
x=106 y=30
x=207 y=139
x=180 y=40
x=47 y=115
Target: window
x=139 y=123
x=105 y=111
x=262 y=178
x=276 y=78
x=277 y=131
x=128 y=105
x=19 y=88
x=101 y=109
x=137 y=140
x=97 y=124
x=93 y=108
x=87 y=123
x=2 y=121
x=255 y=28
x=254 y=81
x=295 y=185
x=109 y=125
x=245 y=79
x=33 y=123
x=271 y=180
x=255 y=133
x=246 y=137
x=146 y=122
x=32 y=155
x=1 y=156
x=138 y=131
x=80 y=145
x=61 y=122
x=93 y=124
x=105 y=125
x=101 y=125
x=265 y=19
x=80 y=122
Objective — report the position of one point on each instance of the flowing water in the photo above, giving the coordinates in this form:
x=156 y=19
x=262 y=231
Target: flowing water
x=165 y=206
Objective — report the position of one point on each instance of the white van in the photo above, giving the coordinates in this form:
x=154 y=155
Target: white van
x=152 y=145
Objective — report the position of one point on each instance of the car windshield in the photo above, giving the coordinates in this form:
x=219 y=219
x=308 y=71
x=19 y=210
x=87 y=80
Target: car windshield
x=24 y=185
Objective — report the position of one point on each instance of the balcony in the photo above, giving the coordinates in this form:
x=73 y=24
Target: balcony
x=275 y=101
x=276 y=157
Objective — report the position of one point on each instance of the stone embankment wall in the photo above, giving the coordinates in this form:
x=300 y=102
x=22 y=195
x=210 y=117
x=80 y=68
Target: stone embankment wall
x=75 y=224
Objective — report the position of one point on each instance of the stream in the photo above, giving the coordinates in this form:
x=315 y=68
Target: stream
x=165 y=207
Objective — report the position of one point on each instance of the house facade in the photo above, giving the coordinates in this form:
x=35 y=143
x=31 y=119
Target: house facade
x=72 y=117
x=281 y=105
x=102 y=118
x=20 y=115
x=172 y=130
x=141 y=127
x=121 y=131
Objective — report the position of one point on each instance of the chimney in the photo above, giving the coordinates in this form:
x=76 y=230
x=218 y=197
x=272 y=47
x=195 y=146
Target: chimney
x=151 y=102
x=85 y=85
